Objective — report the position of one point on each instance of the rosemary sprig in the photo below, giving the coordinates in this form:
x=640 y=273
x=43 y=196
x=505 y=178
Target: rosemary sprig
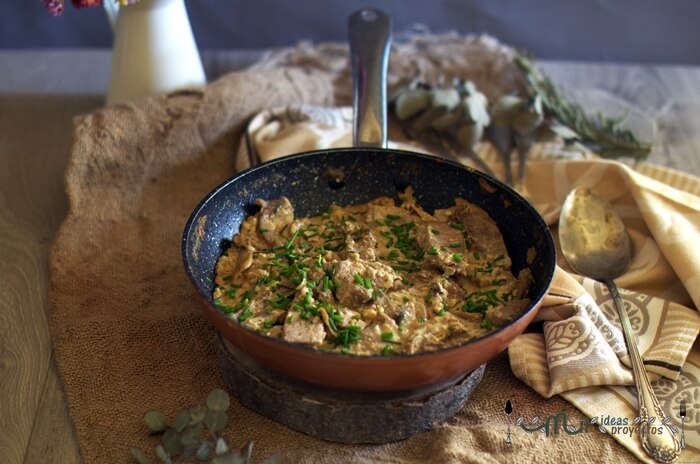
x=608 y=137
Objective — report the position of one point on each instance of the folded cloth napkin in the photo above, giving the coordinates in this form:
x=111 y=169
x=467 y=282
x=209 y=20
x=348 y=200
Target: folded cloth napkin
x=581 y=353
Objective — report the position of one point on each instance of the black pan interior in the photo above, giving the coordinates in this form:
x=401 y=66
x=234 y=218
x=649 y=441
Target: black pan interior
x=314 y=180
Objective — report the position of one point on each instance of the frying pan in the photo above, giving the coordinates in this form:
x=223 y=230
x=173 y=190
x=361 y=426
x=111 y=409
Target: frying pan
x=314 y=180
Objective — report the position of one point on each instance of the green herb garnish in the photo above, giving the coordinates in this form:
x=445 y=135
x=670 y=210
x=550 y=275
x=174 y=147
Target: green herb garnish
x=347 y=336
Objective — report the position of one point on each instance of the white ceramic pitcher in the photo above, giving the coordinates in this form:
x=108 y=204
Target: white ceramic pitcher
x=154 y=50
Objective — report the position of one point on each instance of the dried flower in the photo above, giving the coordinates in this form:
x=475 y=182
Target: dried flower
x=86 y=3
x=56 y=7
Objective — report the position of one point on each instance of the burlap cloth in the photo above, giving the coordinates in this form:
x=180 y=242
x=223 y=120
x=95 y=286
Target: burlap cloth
x=127 y=331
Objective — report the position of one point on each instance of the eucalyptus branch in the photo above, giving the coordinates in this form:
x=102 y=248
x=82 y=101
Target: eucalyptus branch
x=195 y=436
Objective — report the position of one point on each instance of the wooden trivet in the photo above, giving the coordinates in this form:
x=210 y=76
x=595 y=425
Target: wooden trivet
x=338 y=415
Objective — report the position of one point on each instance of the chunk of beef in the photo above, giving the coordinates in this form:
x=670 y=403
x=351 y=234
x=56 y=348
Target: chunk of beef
x=273 y=218
x=481 y=230
x=299 y=330
x=444 y=247
x=348 y=288
x=363 y=243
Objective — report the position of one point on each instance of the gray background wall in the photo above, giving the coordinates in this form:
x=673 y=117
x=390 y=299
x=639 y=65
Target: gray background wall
x=660 y=31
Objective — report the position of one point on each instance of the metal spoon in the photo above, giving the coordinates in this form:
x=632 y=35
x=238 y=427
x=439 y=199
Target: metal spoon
x=595 y=243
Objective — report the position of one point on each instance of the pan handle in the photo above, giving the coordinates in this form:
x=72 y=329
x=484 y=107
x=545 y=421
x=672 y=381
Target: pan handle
x=369 y=32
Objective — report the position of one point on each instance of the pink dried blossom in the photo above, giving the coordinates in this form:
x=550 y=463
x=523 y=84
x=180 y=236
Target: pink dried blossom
x=55 y=7
x=86 y=3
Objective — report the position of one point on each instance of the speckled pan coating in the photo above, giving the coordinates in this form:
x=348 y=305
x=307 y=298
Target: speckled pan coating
x=314 y=180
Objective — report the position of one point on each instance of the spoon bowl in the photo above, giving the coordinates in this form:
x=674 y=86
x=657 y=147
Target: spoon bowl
x=592 y=237
x=595 y=243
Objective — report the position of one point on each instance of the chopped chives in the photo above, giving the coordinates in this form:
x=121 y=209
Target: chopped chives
x=388 y=350
x=388 y=337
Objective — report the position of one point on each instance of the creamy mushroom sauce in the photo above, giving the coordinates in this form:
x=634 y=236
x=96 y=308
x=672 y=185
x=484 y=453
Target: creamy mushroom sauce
x=375 y=278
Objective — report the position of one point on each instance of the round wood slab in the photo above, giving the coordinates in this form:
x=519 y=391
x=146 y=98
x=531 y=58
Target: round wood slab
x=337 y=415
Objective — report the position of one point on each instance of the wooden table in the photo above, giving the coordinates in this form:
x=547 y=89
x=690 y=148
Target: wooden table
x=41 y=92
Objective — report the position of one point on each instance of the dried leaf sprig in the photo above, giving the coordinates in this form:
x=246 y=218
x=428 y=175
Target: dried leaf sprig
x=607 y=137
x=448 y=120
x=195 y=435
x=515 y=123
x=453 y=120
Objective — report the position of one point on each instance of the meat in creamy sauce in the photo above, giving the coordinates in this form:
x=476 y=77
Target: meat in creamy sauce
x=371 y=279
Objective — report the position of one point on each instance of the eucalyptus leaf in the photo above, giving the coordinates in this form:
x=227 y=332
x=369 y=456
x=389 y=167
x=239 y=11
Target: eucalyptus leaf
x=191 y=434
x=411 y=103
x=519 y=421
x=221 y=447
x=197 y=413
x=162 y=454
x=139 y=455
x=171 y=442
x=447 y=121
x=155 y=420
x=651 y=420
x=526 y=122
x=444 y=98
x=563 y=132
x=402 y=86
x=468 y=135
x=426 y=119
x=247 y=450
x=476 y=109
x=502 y=139
x=215 y=420
x=203 y=451
x=181 y=420
x=505 y=109
x=218 y=400
x=594 y=420
x=535 y=420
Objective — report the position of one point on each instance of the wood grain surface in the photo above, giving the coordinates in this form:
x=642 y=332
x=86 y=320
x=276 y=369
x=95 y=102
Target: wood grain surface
x=35 y=140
